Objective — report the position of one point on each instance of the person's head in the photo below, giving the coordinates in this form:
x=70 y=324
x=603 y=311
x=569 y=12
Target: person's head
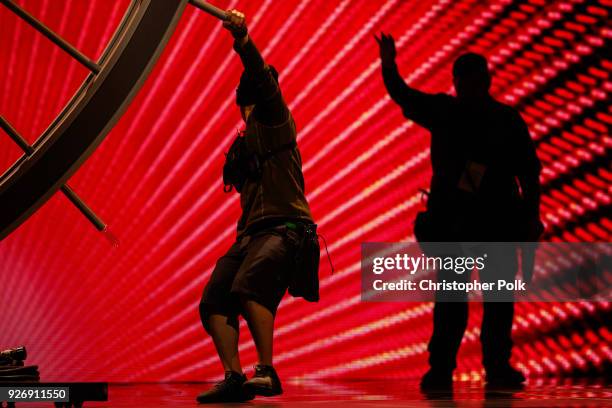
x=246 y=93
x=471 y=76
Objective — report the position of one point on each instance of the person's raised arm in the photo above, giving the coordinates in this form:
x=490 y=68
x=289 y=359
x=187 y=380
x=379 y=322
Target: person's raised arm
x=416 y=105
x=270 y=109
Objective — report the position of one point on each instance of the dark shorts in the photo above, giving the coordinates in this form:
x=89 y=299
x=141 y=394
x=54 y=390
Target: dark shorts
x=256 y=267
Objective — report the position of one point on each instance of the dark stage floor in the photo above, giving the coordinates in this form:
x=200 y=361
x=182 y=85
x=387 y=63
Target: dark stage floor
x=543 y=393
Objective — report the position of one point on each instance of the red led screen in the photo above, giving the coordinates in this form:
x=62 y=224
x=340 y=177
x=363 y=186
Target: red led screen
x=87 y=310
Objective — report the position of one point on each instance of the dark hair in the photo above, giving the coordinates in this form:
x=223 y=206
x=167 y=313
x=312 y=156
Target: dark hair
x=246 y=93
x=471 y=64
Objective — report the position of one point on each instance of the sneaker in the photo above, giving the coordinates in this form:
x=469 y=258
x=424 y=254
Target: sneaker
x=505 y=377
x=228 y=390
x=265 y=382
x=437 y=380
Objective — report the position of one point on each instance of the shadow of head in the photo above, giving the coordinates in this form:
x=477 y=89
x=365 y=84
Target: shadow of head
x=471 y=76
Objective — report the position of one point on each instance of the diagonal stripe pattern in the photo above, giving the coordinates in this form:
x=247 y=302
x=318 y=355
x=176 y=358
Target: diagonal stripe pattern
x=88 y=311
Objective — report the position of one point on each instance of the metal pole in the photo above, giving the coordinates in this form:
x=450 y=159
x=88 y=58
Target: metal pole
x=210 y=9
x=83 y=208
x=68 y=192
x=46 y=31
x=21 y=142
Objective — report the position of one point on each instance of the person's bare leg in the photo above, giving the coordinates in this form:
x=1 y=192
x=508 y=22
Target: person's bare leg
x=225 y=336
x=261 y=325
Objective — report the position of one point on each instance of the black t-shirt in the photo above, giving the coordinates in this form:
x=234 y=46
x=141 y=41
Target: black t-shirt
x=279 y=194
x=482 y=141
